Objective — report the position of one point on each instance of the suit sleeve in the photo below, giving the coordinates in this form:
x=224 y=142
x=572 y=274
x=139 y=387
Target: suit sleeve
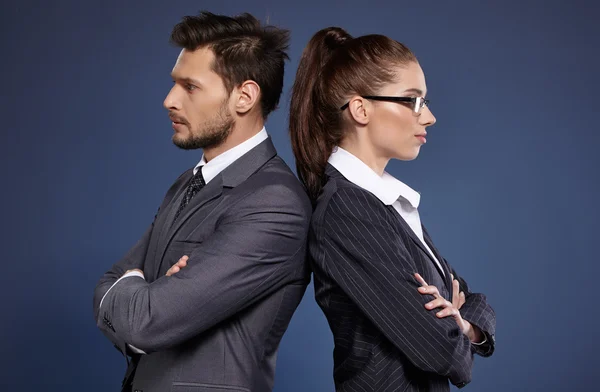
x=243 y=261
x=362 y=253
x=478 y=312
x=133 y=259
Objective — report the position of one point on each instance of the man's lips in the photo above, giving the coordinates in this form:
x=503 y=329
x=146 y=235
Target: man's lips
x=177 y=119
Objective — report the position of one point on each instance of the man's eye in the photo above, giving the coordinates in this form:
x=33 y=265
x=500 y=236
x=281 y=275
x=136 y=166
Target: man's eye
x=190 y=87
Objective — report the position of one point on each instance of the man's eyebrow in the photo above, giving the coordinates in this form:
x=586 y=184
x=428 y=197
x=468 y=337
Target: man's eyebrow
x=187 y=80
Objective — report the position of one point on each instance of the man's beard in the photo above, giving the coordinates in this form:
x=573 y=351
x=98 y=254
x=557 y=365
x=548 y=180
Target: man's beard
x=212 y=133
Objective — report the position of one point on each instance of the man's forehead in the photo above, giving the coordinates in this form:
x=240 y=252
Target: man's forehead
x=202 y=57
x=194 y=64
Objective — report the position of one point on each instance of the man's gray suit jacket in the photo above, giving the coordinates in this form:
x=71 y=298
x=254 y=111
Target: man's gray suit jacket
x=216 y=325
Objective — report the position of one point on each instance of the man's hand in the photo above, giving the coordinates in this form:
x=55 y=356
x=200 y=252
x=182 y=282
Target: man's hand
x=175 y=268
x=450 y=308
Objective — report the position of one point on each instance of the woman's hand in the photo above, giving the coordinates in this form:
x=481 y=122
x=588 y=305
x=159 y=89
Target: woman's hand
x=449 y=309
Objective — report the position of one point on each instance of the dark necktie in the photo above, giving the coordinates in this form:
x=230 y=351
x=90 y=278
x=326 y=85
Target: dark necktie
x=193 y=188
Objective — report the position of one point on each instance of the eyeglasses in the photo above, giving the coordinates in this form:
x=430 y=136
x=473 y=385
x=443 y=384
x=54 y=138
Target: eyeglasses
x=418 y=102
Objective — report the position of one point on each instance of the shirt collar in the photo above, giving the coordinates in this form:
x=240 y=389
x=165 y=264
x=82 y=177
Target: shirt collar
x=219 y=163
x=386 y=188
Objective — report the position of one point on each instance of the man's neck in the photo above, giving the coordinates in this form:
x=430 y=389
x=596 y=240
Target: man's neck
x=239 y=134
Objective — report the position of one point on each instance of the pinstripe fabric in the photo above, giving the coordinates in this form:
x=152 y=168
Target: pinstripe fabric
x=364 y=257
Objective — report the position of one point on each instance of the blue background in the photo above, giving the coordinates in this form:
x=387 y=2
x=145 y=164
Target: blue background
x=509 y=177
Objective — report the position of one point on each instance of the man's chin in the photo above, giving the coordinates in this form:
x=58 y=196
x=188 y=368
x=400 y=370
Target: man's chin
x=183 y=143
x=190 y=141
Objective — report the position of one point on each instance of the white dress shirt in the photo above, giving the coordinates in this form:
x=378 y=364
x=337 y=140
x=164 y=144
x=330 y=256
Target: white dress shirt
x=209 y=171
x=386 y=188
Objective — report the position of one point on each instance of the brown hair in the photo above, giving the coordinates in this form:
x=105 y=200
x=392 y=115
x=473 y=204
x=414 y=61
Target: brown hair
x=244 y=50
x=333 y=67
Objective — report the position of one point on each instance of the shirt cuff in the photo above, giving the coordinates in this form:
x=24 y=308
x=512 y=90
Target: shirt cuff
x=480 y=343
x=130 y=273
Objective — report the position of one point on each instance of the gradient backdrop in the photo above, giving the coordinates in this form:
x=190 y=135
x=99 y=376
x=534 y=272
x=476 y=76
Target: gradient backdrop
x=509 y=177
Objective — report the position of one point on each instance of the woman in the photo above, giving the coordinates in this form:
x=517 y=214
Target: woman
x=401 y=320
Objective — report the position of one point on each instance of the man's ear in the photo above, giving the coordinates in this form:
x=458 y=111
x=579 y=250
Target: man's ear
x=247 y=96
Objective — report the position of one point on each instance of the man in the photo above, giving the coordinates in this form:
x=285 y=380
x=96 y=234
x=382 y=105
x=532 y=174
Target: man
x=201 y=302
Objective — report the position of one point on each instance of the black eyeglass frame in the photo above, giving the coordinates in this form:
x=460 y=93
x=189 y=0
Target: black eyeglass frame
x=418 y=102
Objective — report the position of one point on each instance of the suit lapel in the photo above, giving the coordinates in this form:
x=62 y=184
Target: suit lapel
x=167 y=218
x=444 y=271
x=447 y=278
x=164 y=219
x=232 y=176
x=418 y=242
x=211 y=191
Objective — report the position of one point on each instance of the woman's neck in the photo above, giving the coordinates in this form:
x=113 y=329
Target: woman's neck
x=366 y=153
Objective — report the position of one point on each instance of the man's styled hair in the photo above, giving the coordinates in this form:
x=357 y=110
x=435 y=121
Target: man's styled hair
x=243 y=48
